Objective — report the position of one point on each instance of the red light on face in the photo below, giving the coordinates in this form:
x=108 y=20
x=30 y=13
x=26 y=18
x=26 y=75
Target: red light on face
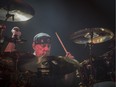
x=42 y=49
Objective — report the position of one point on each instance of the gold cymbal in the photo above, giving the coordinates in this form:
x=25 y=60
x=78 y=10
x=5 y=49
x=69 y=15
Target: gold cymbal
x=15 y=11
x=92 y=35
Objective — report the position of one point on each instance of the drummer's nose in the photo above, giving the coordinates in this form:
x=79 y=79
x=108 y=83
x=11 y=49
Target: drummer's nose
x=46 y=48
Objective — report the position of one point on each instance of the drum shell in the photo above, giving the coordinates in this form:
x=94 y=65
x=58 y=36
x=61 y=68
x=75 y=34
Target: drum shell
x=104 y=71
x=6 y=69
x=99 y=69
x=71 y=80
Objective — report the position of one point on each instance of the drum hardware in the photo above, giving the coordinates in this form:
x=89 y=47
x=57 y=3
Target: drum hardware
x=109 y=61
x=9 y=66
x=20 y=78
x=12 y=11
x=15 y=74
x=108 y=54
x=7 y=70
x=2 y=29
x=23 y=79
x=89 y=37
x=105 y=84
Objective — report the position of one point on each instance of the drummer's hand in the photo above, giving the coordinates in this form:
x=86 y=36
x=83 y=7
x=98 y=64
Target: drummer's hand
x=69 y=55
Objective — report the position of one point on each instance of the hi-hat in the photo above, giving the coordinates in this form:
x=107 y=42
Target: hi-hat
x=92 y=35
x=15 y=11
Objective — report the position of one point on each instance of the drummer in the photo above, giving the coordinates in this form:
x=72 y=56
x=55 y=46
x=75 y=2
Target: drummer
x=42 y=47
x=43 y=62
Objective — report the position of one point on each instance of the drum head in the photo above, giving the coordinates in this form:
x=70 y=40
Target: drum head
x=105 y=84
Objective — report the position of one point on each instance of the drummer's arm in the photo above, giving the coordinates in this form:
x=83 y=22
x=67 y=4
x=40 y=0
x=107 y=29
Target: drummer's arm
x=69 y=55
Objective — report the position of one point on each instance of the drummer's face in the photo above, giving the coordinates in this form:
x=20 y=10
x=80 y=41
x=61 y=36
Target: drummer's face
x=42 y=49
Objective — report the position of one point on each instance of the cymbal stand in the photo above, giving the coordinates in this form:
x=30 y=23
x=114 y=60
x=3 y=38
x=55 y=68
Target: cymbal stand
x=15 y=74
x=2 y=38
x=91 y=67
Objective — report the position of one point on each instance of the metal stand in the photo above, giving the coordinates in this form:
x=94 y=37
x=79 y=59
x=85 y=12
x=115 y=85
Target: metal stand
x=91 y=66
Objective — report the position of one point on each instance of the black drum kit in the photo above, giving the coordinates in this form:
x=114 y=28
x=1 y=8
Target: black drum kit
x=96 y=69
x=92 y=72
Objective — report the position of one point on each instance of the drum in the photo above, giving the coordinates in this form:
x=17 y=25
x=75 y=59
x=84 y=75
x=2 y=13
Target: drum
x=6 y=69
x=51 y=71
x=104 y=71
x=98 y=71
x=72 y=79
x=9 y=71
x=4 y=79
x=105 y=84
x=87 y=73
x=7 y=62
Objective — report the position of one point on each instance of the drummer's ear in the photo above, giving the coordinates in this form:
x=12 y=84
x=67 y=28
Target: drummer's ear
x=33 y=46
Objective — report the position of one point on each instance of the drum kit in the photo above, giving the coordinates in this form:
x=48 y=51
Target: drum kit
x=95 y=70
x=11 y=11
x=89 y=69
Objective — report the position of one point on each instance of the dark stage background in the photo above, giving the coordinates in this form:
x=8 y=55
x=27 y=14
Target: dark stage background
x=66 y=17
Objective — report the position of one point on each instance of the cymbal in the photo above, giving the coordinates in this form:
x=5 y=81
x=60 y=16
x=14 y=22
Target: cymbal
x=14 y=11
x=92 y=35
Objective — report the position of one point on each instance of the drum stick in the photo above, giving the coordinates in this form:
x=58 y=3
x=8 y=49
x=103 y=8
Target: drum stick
x=61 y=42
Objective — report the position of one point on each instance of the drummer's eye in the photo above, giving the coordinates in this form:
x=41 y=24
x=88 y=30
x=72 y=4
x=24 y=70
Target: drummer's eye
x=48 y=46
x=45 y=45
